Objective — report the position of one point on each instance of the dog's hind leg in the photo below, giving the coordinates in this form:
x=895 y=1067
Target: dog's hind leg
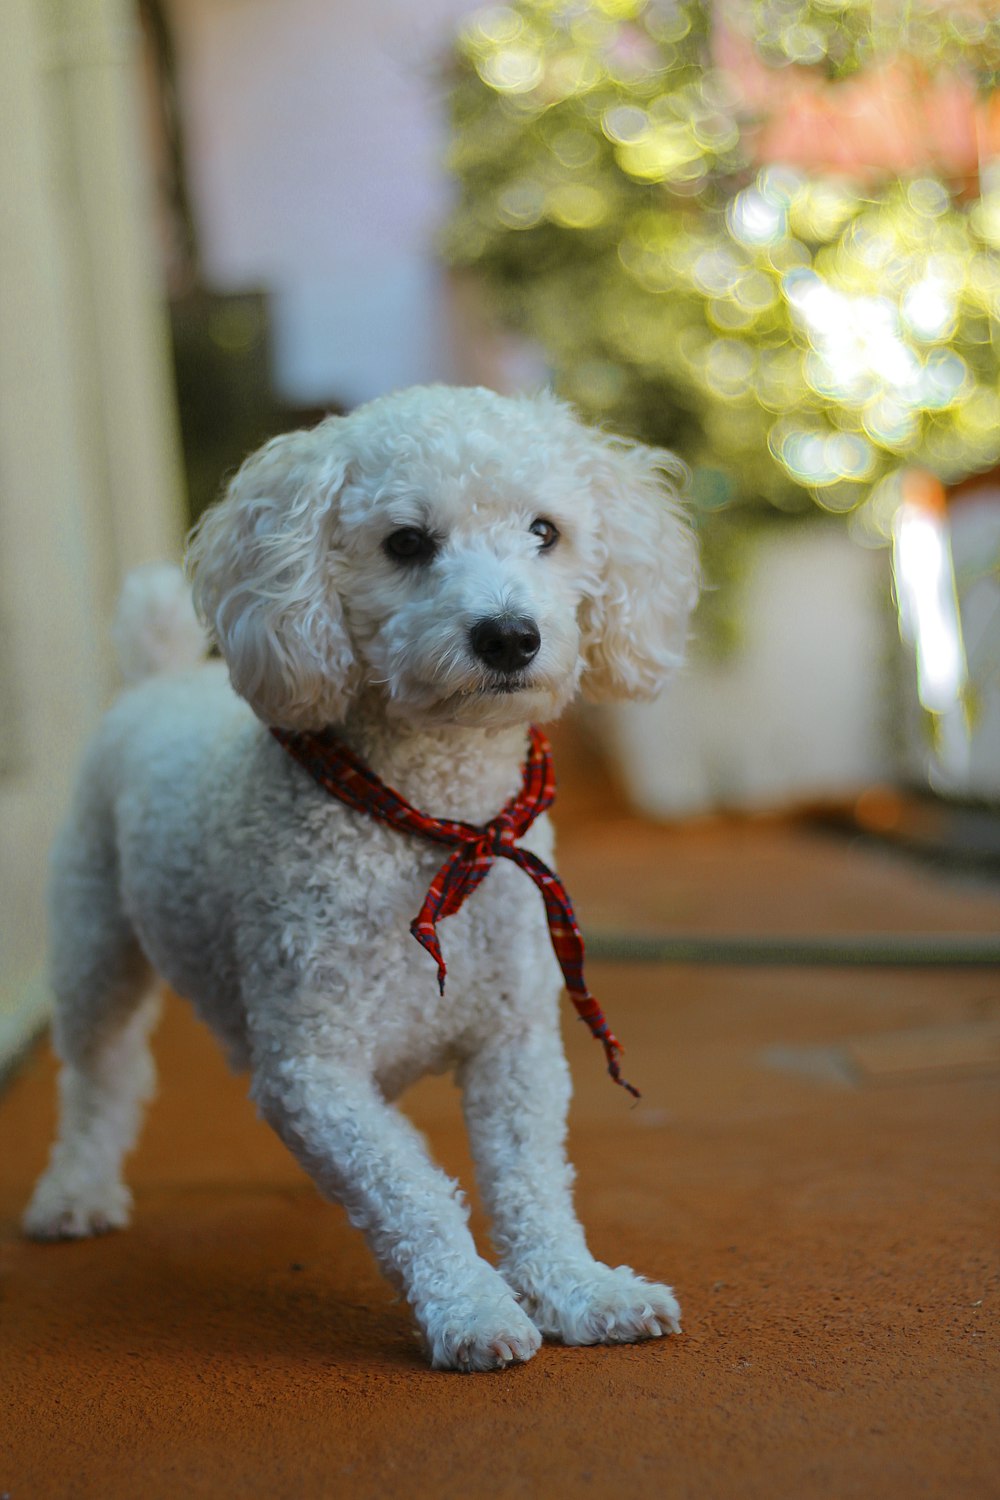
x=106 y=1005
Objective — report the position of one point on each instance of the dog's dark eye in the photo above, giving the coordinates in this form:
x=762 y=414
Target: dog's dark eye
x=410 y=545
x=546 y=531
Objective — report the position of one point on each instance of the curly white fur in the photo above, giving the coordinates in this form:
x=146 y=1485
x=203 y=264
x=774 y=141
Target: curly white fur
x=197 y=850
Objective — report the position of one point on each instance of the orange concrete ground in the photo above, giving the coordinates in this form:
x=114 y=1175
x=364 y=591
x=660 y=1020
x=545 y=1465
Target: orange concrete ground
x=813 y=1165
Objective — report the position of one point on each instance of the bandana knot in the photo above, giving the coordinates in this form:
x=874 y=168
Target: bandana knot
x=503 y=834
x=475 y=849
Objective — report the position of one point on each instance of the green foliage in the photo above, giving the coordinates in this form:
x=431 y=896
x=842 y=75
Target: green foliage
x=797 y=336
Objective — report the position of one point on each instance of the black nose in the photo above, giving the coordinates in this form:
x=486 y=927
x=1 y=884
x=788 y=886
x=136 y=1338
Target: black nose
x=505 y=644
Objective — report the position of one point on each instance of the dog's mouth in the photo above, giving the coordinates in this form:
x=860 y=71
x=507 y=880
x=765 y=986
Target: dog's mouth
x=485 y=702
x=484 y=691
x=498 y=686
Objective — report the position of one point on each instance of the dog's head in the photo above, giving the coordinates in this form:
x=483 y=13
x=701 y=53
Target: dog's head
x=474 y=557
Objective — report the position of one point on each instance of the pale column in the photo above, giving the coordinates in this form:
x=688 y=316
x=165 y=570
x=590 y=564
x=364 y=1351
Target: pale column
x=88 y=457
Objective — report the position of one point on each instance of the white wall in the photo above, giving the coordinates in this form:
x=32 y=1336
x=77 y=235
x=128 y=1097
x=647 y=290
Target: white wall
x=315 y=136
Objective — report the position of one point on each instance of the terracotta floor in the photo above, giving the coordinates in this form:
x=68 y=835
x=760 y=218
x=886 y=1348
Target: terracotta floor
x=813 y=1165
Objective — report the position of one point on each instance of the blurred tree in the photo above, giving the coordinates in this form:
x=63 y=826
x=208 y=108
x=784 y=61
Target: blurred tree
x=762 y=234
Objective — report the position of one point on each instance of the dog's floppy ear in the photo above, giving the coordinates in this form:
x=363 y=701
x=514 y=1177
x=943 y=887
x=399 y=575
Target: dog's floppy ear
x=263 y=575
x=635 y=620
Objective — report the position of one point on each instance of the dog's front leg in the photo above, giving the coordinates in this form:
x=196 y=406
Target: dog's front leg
x=516 y=1095
x=364 y=1154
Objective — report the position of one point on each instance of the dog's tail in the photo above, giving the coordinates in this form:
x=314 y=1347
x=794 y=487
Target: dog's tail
x=156 y=628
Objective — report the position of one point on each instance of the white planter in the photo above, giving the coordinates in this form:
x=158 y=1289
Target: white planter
x=799 y=712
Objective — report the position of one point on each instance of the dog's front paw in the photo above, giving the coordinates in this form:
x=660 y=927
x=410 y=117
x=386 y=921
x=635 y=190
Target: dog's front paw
x=594 y=1304
x=66 y=1209
x=478 y=1332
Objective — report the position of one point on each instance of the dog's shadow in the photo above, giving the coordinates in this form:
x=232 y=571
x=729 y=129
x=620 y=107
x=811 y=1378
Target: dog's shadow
x=255 y=1274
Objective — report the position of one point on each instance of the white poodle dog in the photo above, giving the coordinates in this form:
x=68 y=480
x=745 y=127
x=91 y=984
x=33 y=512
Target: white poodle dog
x=429 y=575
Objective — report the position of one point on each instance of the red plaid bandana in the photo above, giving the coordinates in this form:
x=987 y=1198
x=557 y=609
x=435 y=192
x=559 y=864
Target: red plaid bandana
x=344 y=776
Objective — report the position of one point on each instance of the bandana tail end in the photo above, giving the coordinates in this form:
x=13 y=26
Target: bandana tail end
x=590 y=1012
x=427 y=938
